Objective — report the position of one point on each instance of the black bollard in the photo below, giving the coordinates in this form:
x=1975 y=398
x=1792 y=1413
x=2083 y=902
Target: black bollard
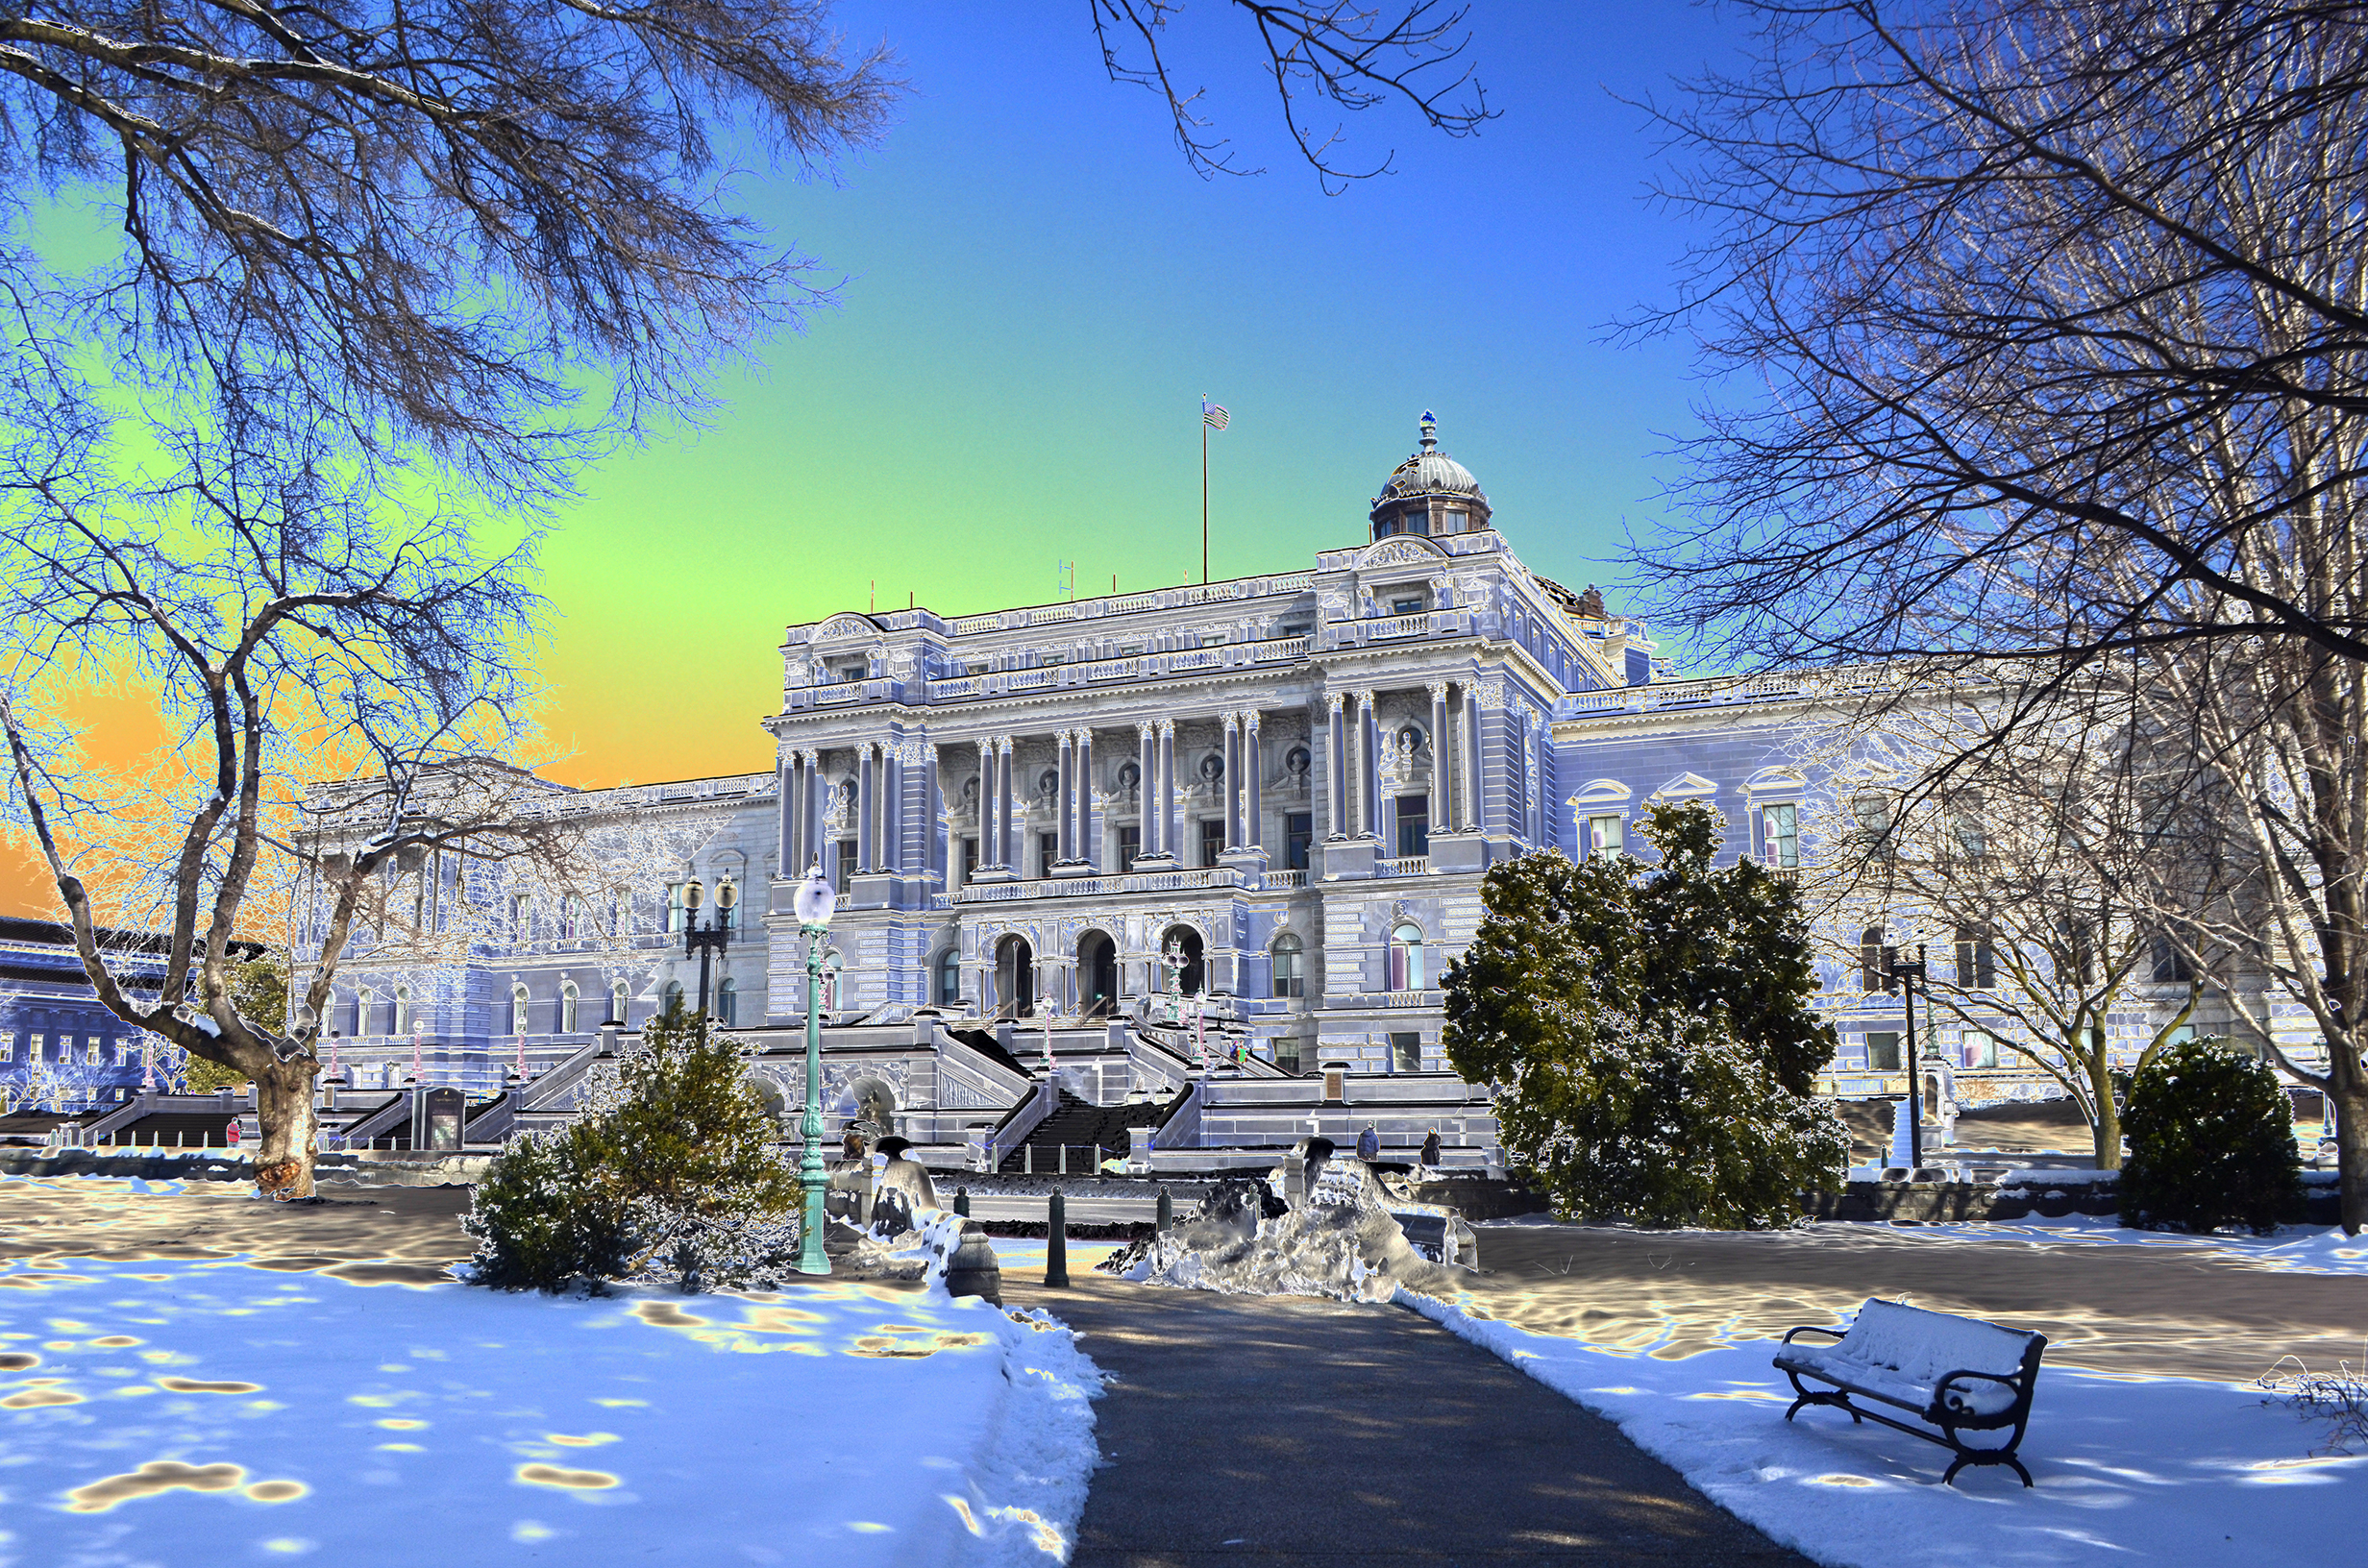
x=1167 y=1210
x=1057 y=1244
x=962 y=1201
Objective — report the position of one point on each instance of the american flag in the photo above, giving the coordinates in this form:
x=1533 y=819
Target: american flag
x=1214 y=416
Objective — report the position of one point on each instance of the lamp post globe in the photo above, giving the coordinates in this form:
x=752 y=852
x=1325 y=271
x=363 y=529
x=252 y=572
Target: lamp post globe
x=813 y=903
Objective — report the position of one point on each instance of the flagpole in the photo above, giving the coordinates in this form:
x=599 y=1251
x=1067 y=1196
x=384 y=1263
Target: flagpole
x=1204 y=488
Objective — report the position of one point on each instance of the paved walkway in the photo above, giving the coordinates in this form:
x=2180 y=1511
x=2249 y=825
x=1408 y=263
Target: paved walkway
x=1287 y=1430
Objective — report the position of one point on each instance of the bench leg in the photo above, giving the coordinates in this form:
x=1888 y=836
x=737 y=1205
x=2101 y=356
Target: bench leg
x=1836 y=1398
x=1981 y=1455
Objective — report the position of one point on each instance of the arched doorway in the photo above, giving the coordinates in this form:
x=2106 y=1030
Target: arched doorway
x=1097 y=974
x=1015 y=978
x=1195 y=977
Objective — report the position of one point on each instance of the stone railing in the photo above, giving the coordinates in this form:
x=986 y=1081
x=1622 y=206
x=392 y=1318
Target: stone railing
x=1278 y=880
x=1093 y=887
x=1403 y=865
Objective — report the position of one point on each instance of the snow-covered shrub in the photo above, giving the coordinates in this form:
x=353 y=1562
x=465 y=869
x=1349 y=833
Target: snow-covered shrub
x=1649 y=1032
x=668 y=1174
x=2212 y=1144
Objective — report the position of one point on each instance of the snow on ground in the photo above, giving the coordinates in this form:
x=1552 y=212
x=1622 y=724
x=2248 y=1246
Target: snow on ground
x=2296 y=1249
x=2167 y=1470
x=174 y=1413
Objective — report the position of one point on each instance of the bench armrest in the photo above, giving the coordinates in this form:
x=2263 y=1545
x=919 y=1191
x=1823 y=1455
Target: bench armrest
x=1941 y=1390
x=1809 y=1328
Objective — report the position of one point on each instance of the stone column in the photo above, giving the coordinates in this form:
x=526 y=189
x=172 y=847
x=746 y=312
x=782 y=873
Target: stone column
x=986 y=803
x=811 y=810
x=1369 y=765
x=1003 y=804
x=1068 y=809
x=933 y=820
x=1146 y=790
x=1253 y=772
x=867 y=805
x=1233 y=781
x=1443 y=785
x=789 y=817
x=1089 y=841
x=892 y=817
x=1476 y=779
x=1336 y=768
x=1166 y=788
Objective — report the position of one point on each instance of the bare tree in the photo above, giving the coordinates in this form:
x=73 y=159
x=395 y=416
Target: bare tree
x=2015 y=857
x=1999 y=298
x=1351 y=56
x=2056 y=313
x=422 y=222
x=282 y=623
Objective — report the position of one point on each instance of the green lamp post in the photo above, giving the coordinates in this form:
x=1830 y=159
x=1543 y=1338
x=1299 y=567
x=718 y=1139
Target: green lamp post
x=813 y=903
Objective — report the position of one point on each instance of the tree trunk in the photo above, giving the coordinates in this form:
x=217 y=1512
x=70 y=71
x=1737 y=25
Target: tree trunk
x=2348 y=1090
x=2106 y=1129
x=283 y=1105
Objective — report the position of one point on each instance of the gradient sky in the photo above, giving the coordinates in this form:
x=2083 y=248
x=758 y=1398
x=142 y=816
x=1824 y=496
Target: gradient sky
x=1038 y=290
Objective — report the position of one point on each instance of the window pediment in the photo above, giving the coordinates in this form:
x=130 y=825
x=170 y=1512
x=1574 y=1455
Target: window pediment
x=1687 y=786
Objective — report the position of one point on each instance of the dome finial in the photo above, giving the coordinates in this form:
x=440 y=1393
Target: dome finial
x=1430 y=430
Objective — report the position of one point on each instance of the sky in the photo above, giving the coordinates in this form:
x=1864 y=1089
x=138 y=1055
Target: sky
x=1034 y=293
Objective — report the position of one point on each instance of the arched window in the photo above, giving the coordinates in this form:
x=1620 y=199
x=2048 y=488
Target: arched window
x=1406 y=958
x=1870 y=959
x=403 y=1010
x=518 y=1010
x=619 y=995
x=670 y=999
x=727 y=1004
x=832 y=959
x=1290 y=980
x=568 y=998
x=364 y=1004
x=950 y=978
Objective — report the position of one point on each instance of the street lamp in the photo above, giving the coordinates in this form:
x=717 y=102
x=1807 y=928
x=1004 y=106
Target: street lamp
x=813 y=902
x=1901 y=975
x=718 y=932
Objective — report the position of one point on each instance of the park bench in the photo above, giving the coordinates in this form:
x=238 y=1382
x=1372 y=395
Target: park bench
x=1958 y=1374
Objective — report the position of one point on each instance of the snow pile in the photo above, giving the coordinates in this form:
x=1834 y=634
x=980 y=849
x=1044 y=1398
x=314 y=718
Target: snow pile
x=2168 y=1470
x=1342 y=1242
x=149 y=1405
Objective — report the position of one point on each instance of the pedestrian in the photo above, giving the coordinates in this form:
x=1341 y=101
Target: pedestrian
x=1368 y=1144
x=230 y=1135
x=1430 y=1150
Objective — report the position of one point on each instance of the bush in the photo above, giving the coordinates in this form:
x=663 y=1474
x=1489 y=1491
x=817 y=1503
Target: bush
x=2212 y=1144
x=668 y=1174
x=1650 y=1030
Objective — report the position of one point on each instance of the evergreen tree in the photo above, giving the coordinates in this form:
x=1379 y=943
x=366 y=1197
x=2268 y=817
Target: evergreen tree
x=669 y=1173
x=1649 y=1032
x=2212 y=1144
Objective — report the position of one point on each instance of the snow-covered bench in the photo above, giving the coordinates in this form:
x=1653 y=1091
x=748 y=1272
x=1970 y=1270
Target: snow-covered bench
x=1959 y=1374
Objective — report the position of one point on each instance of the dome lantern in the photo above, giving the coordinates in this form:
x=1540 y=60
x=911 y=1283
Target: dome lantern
x=1430 y=493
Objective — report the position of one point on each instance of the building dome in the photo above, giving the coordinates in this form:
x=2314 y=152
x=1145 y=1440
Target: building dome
x=1430 y=493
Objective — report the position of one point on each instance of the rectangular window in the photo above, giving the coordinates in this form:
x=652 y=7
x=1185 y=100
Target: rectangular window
x=1047 y=852
x=2170 y=965
x=1606 y=834
x=1981 y=1048
x=1406 y=606
x=1976 y=960
x=1414 y=824
x=1131 y=845
x=1406 y=1053
x=91 y=1053
x=7 y=1048
x=521 y=917
x=1287 y=1055
x=1882 y=1052
x=674 y=906
x=969 y=860
x=843 y=864
x=1298 y=835
x=33 y=1048
x=1780 y=836
x=1873 y=814
x=1212 y=839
